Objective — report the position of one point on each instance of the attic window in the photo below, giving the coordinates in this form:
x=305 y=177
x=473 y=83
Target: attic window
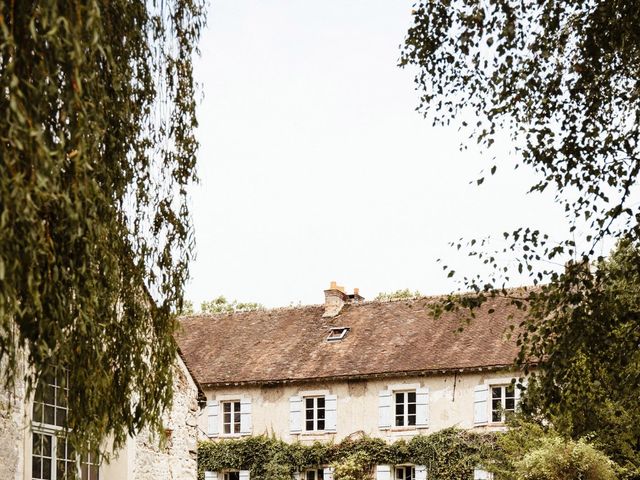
x=337 y=333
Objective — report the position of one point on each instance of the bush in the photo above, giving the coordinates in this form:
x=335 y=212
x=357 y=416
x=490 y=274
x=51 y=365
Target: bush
x=557 y=459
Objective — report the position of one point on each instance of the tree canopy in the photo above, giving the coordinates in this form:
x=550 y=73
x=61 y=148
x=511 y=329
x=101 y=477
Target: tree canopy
x=221 y=305
x=561 y=80
x=97 y=148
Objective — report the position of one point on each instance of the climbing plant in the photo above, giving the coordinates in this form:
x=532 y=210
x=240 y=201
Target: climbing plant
x=448 y=454
x=97 y=149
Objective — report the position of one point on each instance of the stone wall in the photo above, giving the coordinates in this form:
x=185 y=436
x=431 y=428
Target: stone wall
x=177 y=458
x=12 y=431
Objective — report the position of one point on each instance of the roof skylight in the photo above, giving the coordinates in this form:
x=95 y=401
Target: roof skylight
x=337 y=333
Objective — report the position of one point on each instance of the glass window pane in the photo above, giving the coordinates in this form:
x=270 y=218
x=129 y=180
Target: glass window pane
x=400 y=397
x=226 y=407
x=399 y=408
x=510 y=391
x=36 y=467
x=509 y=404
x=410 y=473
x=411 y=397
x=236 y=407
x=399 y=421
x=234 y=475
x=311 y=475
x=308 y=402
x=411 y=419
x=46 y=468
x=49 y=414
x=496 y=392
x=496 y=405
x=320 y=401
x=320 y=424
x=49 y=394
x=496 y=416
x=411 y=409
x=37 y=444
x=236 y=418
x=46 y=445
x=399 y=473
x=321 y=413
x=320 y=473
x=61 y=417
x=309 y=425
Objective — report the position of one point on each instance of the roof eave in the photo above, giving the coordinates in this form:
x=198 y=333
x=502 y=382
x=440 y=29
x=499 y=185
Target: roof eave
x=367 y=376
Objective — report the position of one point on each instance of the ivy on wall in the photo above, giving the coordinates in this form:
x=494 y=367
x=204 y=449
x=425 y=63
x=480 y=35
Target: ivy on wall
x=449 y=454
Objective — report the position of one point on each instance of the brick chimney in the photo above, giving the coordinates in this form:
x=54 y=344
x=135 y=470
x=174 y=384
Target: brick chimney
x=335 y=298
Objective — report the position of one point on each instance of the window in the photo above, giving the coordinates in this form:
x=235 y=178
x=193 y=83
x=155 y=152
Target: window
x=503 y=401
x=52 y=457
x=314 y=414
x=314 y=474
x=231 y=418
x=405 y=408
x=405 y=472
x=231 y=475
x=337 y=333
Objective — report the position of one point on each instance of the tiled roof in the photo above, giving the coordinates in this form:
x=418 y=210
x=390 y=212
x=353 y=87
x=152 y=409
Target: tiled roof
x=385 y=338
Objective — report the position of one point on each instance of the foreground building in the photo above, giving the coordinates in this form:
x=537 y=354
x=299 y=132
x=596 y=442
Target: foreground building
x=326 y=372
x=32 y=445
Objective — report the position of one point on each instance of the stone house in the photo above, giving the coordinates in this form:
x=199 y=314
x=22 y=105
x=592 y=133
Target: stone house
x=32 y=447
x=326 y=372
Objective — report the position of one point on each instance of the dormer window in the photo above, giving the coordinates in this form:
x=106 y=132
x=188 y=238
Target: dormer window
x=337 y=333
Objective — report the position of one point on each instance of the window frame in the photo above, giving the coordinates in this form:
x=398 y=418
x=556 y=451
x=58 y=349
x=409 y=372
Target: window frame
x=315 y=409
x=55 y=431
x=337 y=333
x=405 y=415
x=502 y=409
x=318 y=473
x=226 y=474
x=235 y=418
x=404 y=468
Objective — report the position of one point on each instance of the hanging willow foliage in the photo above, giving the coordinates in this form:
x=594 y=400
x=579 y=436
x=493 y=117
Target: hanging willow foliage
x=97 y=147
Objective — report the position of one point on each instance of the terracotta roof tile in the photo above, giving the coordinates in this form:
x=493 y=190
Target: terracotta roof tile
x=385 y=338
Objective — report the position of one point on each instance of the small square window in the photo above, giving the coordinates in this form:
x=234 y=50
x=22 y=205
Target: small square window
x=231 y=417
x=405 y=408
x=314 y=414
x=232 y=475
x=503 y=402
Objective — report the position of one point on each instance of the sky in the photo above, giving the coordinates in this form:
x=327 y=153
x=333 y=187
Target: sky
x=315 y=166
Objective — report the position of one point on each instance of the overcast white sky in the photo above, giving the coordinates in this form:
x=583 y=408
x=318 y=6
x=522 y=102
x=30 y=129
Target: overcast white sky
x=314 y=165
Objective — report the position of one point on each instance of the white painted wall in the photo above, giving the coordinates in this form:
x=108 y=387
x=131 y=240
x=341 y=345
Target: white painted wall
x=451 y=403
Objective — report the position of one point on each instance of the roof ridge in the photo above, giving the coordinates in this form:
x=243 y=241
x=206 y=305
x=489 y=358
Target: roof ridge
x=354 y=304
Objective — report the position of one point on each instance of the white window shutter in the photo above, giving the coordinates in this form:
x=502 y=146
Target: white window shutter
x=244 y=475
x=330 y=413
x=327 y=473
x=384 y=398
x=480 y=404
x=210 y=475
x=479 y=474
x=422 y=407
x=212 y=414
x=295 y=414
x=383 y=472
x=245 y=416
x=421 y=472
